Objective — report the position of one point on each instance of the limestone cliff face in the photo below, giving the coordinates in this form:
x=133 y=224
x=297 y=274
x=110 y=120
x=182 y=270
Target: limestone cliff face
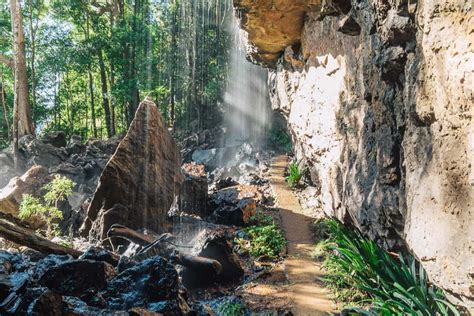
x=379 y=100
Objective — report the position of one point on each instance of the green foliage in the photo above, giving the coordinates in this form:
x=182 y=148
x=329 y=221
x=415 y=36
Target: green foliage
x=294 y=175
x=267 y=241
x=261 y=219
x=281 y=138
x=392 y=285
x=56 y=191
x=231 y=308
x=263 y=237
x=174 y=51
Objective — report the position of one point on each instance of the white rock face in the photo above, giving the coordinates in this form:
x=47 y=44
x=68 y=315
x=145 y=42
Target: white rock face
x=379 y=102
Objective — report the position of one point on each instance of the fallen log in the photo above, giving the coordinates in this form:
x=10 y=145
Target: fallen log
x=153 y=246
x=130 y=234
x=27 y=237
x=201 y=264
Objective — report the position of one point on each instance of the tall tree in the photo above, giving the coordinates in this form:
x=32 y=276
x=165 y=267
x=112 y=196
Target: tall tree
x=21 y=103
x=105 y=95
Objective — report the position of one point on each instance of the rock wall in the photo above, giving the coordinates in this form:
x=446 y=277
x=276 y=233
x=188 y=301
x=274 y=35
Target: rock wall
x=378 y=96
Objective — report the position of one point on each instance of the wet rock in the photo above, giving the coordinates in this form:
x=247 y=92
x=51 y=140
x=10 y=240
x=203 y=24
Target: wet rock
x=224 y=183
x=238 y=215
x=227 y=157
x=216 y=245
x=33 y=255
x=57 y=139
x=204 y=139
x=125 y=263
x=151 y=281
x=100 y=254
x=12 y=283
x=24 y=301
x=48 y=263
x=13 y=262
x=48 y=303
x=208 y=157
x=74 y=278
x=193 y=197
x=143 y=176
x=76 y=307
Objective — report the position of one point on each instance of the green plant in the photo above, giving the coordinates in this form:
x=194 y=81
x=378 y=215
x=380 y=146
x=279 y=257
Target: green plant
x=294 y=175
x=280 y=137
x=265 y=241
x=393 y=285
x=231 y=308
x=56 y=191
x=260 y=219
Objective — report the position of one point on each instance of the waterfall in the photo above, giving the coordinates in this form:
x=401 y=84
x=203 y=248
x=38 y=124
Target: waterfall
x=247 y=117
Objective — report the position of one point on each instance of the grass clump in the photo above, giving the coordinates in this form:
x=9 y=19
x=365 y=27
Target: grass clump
x=56 y=191
x=231 y=308
x=294 y=175
x=361 y=271
x=263 y=238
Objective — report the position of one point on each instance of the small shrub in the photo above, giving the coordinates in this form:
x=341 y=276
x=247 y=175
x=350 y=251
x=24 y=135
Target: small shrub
x=265 y=241
x=231 y=308
x=263 y=237
x=393 y=285
x=294 y=175
x=56 y=191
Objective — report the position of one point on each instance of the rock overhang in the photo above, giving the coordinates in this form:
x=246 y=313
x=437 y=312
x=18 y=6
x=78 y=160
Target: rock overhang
x=271 y=26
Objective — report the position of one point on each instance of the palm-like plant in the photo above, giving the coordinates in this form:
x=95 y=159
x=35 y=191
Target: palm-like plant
x=394 y=285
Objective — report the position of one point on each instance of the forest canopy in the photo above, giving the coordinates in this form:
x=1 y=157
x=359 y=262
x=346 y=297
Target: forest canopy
x=90 y=62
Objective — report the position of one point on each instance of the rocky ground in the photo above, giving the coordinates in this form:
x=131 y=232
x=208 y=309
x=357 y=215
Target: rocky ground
x=194 y=267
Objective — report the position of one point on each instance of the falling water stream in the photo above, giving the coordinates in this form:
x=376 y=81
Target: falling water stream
x=248 y=109
x=246 y=120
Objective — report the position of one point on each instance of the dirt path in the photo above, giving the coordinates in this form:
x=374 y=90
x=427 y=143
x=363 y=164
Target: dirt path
x=305 y=288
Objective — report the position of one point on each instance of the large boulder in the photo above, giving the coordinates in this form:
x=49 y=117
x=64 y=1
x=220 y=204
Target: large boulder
x=34 y=152
x=57 y=139
x=153 y=284
x=143 y=175
x=193 y=196
x=29 y=183
x=76 y=277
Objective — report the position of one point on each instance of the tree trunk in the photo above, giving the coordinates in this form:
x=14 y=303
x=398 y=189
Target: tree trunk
x=105 y=94
x=174 y=62
x=33 y=53
x=91 y=91
x=4 y=104
x=27 y=237
x=25 y=122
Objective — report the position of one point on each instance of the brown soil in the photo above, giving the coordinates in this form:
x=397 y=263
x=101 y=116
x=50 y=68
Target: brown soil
x=304 y=275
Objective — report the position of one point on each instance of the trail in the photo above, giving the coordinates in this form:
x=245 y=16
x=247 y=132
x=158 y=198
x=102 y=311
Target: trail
x=306 y=289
